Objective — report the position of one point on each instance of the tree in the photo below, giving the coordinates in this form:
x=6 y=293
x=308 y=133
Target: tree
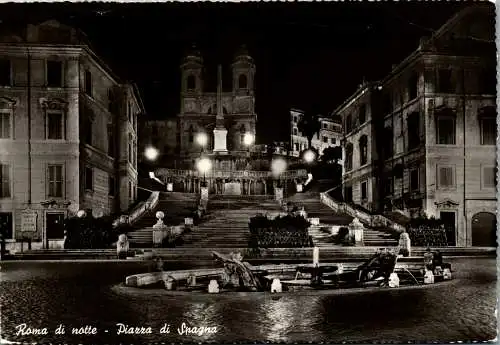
x=309 y=125
x=332 y=154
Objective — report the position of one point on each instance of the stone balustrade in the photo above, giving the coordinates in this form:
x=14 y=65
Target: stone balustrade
x=230 y=174
x=368 y=219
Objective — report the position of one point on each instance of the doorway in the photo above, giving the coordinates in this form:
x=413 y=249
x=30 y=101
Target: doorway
x=449 y=221
x=54 y=227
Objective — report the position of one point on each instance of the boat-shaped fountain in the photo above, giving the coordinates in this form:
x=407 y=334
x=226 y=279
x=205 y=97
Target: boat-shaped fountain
x=383 y=270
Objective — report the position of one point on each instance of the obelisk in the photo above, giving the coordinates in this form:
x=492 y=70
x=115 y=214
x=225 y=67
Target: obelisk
x=220 y=132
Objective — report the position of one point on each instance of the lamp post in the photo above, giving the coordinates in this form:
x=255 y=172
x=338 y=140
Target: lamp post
x=248 y=140
x=309 y=157
x=204 y=165
x=202 y=140
x=278 y=166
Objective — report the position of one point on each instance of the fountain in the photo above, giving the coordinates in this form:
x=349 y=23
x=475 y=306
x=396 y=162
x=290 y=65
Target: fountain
x=381 y=270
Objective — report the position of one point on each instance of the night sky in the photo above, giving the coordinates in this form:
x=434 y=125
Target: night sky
x=309 y=56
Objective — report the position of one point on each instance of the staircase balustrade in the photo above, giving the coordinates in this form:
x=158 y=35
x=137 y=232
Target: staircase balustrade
x=142 y=208
x=364 y=217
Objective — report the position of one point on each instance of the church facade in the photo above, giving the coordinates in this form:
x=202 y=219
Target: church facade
x=199 y=107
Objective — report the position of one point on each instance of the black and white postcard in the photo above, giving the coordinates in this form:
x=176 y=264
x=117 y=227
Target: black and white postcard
x=222 y=172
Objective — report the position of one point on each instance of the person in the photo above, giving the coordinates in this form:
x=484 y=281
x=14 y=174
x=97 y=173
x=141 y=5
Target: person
x=428 y=259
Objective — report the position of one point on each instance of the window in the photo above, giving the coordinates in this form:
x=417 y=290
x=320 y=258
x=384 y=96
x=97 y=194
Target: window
x=295 y=119
x=191 y=82
x=446 y=178
x=55 y=181
x=362 y=114
x=111 y=186
x=55 y=125
x=363 y=150
x=295 y=131
x=348 y=158
x=88 y=83
x=5 y=73
x=325 y=139
x=348 y=123
x=130 y=149
x=488 y=130
x=89 y=179
x=446 y=130
x=130 y=190
x=111 y=141
x=489 y=177
x=191 y=134
x=325 y=126
x=111 y=101
x=388 y=186
x=413 y=130
x=348 y=194
x=5 y=126
x=5 y=181
x=154 y=131
x=414 y=183
x=88 y=130
x=297 y=148
x=364 y=190
x=444 y=81
x=413 y=86
x=54 y=74
x=334 y=141
x=388 y=142
x=242 y=81
x=6 y=227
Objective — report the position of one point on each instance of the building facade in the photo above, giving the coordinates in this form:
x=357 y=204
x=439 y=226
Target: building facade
x=68 y=134
x=433 y=138
x=329 y=135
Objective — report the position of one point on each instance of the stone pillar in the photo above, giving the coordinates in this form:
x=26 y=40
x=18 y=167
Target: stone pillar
x=204 y=194
x=278 y=193
x=265 y=187
x=356 y=230
x=160 y=230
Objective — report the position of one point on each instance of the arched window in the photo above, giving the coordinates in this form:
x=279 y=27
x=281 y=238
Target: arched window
x=484 y=226
x=191 y=82
x=363 y=150
x=242 y=81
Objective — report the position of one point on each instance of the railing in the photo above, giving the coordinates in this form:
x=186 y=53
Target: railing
x=230 y=173
x=144 y=207
x=364 y=217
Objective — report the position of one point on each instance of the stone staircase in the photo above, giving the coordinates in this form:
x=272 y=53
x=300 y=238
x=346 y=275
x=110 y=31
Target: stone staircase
x=226 y=225
x=310 y=200
x=176 y=207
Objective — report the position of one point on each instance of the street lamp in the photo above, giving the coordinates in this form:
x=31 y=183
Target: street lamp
x=309 y=156
x=151 y=153
x=248 y=140
x=202 y=140
x=204 y=165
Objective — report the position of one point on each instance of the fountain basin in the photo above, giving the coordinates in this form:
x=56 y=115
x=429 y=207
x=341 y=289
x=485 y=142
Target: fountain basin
x=287 y=273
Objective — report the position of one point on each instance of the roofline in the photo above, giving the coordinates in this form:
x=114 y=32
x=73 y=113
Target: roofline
x=358 y=92
x=137 y=95
x=443 y=29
